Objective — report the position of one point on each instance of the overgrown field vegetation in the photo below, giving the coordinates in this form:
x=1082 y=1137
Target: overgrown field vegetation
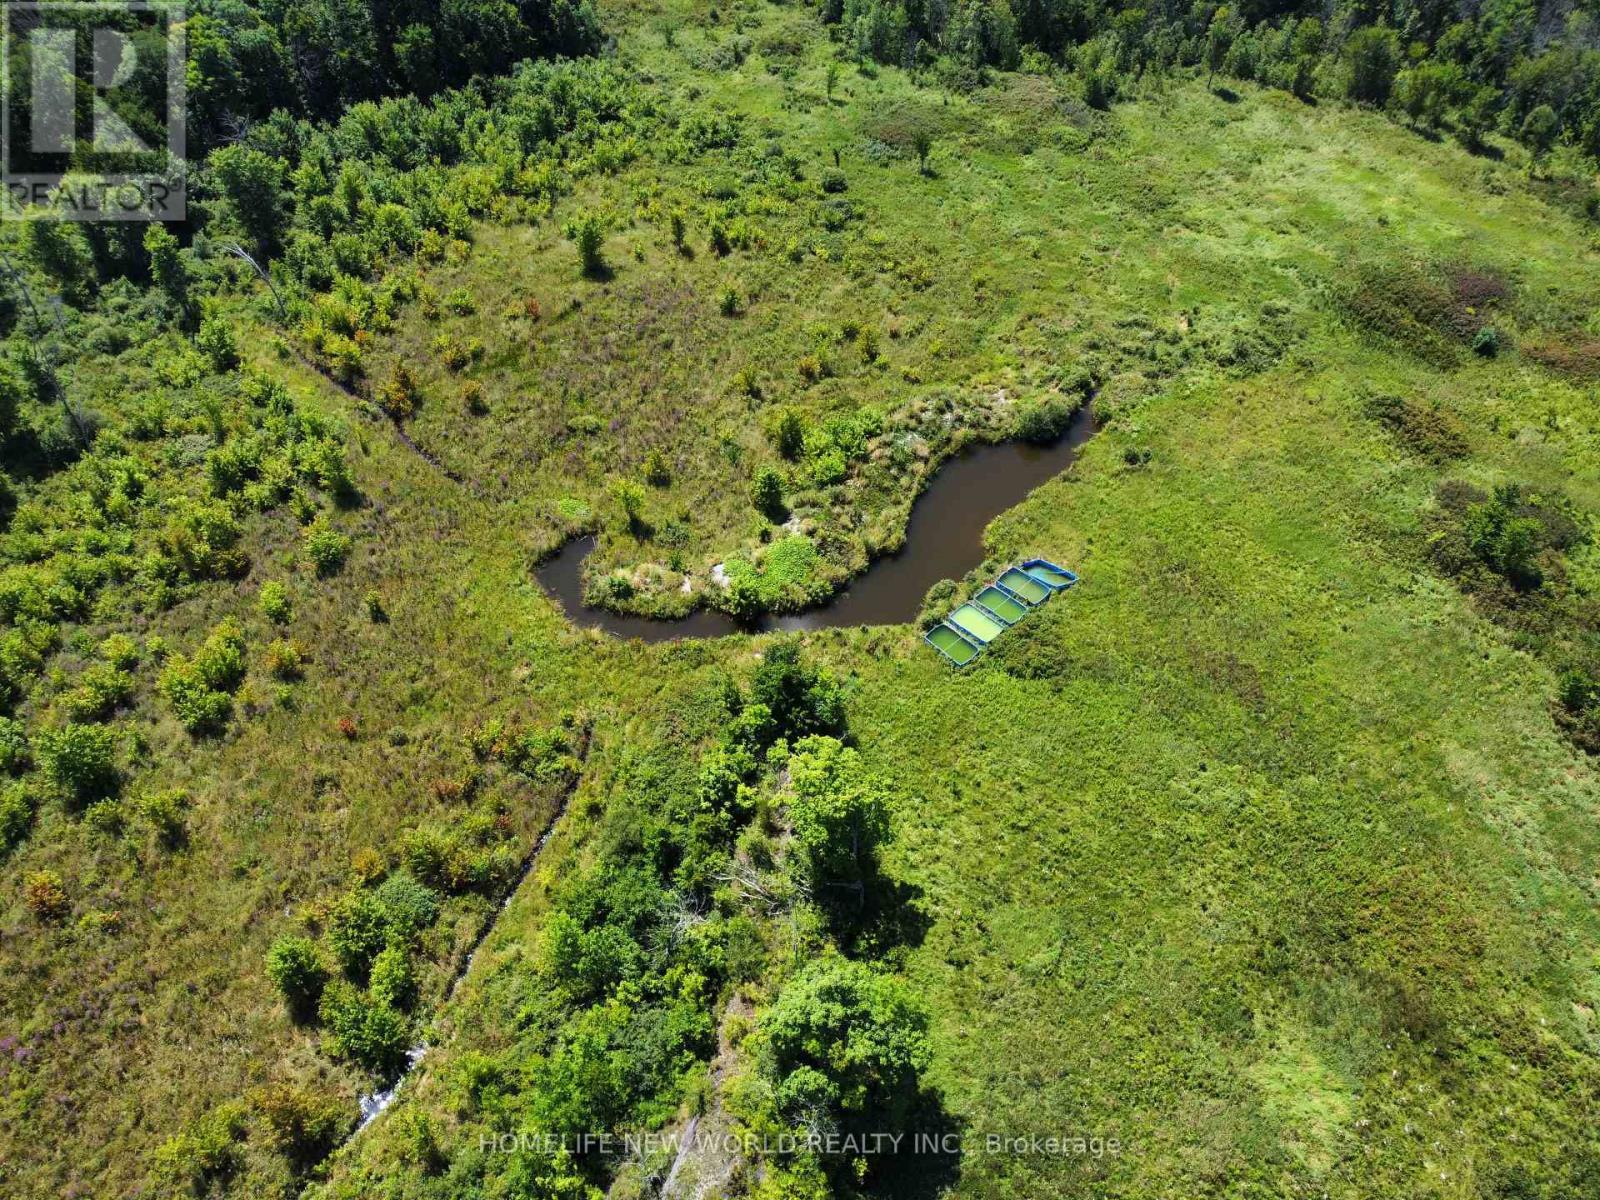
x=1269 y=852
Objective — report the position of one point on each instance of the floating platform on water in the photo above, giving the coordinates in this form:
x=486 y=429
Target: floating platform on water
x=962 y=635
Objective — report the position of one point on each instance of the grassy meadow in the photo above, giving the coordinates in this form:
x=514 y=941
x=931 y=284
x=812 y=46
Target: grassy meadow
x=1262 y=851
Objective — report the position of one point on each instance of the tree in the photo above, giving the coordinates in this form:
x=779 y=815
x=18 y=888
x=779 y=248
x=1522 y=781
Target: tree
x=801 y=699
x=789 y=434
x=1539 y=130
x=766 y=493
x=922 y=143
x=169 y=269
x=846 y=1047
x=14 y=392
x=837 y=812
x=1373 y=57
x=630 y=498
x=587 y=233
x=81 y=760
x=358 y=930
x=297 y=971
x=1477 y=117
x=215 y=340
x=254 y=184
x=1219 y=40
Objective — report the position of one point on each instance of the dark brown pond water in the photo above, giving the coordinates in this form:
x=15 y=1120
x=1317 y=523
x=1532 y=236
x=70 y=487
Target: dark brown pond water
x=944 y=540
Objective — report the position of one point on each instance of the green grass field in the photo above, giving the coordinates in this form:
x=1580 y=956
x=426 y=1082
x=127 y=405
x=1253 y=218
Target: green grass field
x=1259 y=851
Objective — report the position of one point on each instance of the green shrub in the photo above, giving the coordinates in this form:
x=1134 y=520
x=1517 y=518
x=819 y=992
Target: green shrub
x=220 y=661
x=199 y=709
x=802 y=699
x=301 y=1124
x=1046 y=419
x=106 y=817
x=358 y=929
x=274 y=603
x=1578 y=690
x=15 y=754
x=101 y=690
x=121 y=651
x=409 y=905
x=766 y=493
x=16 y=816
x=164 y=812
x=657 y=471
x=400 y=393
x=285 y=659
x=838 y=814
x=828 y=468
x=364 y=1030
x=586 y=232
x=80 y=760
x=394 y=982
x=789 y=433
x=215 y=340
x=204 y=1153
x=296 y=969
x=326 y=548
x=833 y=181
x=1486 y=343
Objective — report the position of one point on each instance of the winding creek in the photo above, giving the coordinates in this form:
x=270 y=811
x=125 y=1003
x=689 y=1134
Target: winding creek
x=944 y=540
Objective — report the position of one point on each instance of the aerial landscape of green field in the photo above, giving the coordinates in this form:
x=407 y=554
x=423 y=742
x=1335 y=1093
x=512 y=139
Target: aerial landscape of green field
x=842 y=599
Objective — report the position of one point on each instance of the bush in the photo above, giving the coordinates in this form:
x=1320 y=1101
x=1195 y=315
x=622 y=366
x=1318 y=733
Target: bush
x=1045 y=420
x=766 y=493
x=657 y=471
x=833 y=181
x=1372 y=55
x=215 y=340
x=220 y=661
x=358 y=930
x=364 y=1030
x=206 y=1151
x=16 y=816
x=1486 y=344
x=301 y=1124
x=199 y=709
x=80 y=760
x=285 y=660
x=164 y=812
x=45 y=895
x=802 y=700
x=15 y=754
x=588 y=234
x=121 y=651
x=296 y=969
x=394 y=983
x=326 y=548
x=200 y=688
x=400 y=394
x=409 y=906
x=274 y=603
x=789 y=434
x=728 y=301
x=101 y=690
